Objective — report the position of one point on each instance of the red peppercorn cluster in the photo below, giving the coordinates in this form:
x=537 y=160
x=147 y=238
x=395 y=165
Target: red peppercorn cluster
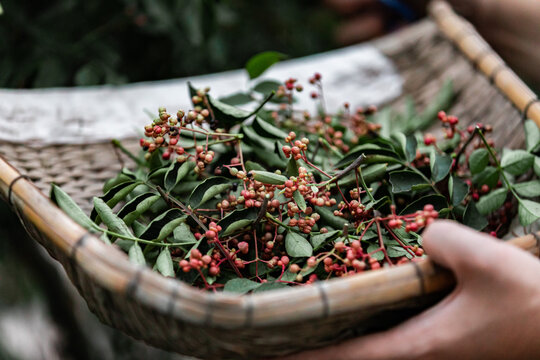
x=297 y=149
x=164 y=132
x=287 y=207
x=288 y=88
x=198 y=262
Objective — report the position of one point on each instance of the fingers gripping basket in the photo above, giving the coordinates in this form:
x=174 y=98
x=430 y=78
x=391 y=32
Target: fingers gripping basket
x=174 y=316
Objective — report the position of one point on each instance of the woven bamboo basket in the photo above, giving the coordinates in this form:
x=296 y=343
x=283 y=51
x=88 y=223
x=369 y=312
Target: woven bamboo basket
x=175 y=316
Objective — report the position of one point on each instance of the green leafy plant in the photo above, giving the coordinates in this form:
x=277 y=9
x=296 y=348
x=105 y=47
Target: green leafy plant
x=253 y=200
x=49 y=44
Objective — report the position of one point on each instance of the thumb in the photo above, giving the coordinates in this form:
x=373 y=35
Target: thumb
x=458 y=247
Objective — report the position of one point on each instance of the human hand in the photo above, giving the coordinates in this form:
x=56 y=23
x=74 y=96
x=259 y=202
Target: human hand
x=493 y=313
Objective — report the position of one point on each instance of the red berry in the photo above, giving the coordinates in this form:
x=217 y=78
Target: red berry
x=243 y=247
x=294 y=268
x=429 y=139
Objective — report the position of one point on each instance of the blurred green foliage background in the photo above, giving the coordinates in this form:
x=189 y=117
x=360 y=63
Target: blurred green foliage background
x=77 y=42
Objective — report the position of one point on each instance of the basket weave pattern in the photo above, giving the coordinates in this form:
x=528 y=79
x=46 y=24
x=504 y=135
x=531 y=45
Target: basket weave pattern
x=172 y=315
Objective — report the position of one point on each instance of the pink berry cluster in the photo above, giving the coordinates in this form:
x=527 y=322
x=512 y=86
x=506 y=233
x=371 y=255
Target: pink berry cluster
x=297 y=148
x=198 y=262
x=414 y=222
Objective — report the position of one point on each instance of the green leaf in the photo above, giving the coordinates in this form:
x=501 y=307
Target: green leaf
x=137 y=206
x=236 y=220
x=114 y=196
x=438 y=202
x=397 y=251
x=250 y=165
x=259 y=63
x=532 y=135
x=536 y=166
x=119 y=179
x=88 y=75
x=105 y=239
x=297 y=246
x=367 y=149
x=163 y=225
x=241 y=285
x=66 y=203
x=405 y=180
x=377 y=204
x=136 y=255
x=528 y=212
x=176 y=172
x=528 y=189
x=226 y=114
x=442 y=101
x=138 y=228
x=379 y=255
x=410 y=149
x=164 y=264
x=208 y=189
x=478 y=160
x=458 y=190
x=266 y=129
x=440 y=166
x=182 y=234
x=489 y=176
x=407 y=144
x=157 y=174
x=299 y=200
x=236 y=99
x=492 y=201
x=319 y=240
x=327 y=217
x=517 y=162
x=191 y=89
x=237 y=225
x=292 y=167
x=267 y=177
x=473 y=219
x=267 y=286
x=370 y=174
x=257 y=141
x=267 y=86
x=113 y=222
x=374 y=172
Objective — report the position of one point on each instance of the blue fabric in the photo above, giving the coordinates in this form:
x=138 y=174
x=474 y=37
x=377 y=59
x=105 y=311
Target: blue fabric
x=402 y=9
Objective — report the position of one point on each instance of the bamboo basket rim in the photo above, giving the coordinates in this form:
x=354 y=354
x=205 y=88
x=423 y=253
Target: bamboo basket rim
x=111 y=269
